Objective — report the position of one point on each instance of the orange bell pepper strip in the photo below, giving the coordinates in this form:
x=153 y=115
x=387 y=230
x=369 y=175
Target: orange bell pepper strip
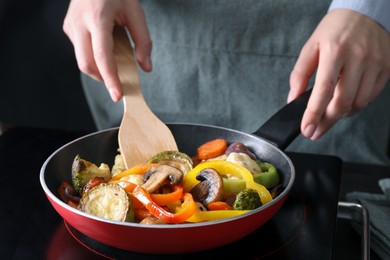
x=187 y=209
x=137 y=169
x=163 y=199
x=160 y=199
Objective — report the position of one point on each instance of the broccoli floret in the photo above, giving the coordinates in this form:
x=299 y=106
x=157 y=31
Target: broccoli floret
x=83 y=171
x=247 y=199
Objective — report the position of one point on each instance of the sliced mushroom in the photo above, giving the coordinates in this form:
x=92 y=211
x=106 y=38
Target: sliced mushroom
x=151 y=220
x=156 y=176
x=210 y=187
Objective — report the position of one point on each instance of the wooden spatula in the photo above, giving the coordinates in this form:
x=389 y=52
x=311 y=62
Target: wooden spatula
x=141 y=133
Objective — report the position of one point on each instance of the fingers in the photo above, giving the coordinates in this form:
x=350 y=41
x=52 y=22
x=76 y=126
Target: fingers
x=103 y=45
x=137 y=26
x=80 y=37
x=89 y=25
x=328 y=72
x=303 y=70
x=353 y=68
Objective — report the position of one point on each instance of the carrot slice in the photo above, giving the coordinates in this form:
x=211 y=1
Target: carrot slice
x=211 y=149
x=219 y=205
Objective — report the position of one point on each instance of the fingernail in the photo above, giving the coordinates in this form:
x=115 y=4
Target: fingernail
x=309 y=131
x=291 y=95
x=316 y=135
x=149 y=63
x=114 y=94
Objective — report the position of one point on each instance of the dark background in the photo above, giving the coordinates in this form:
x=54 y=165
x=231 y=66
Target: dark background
x=39 y=79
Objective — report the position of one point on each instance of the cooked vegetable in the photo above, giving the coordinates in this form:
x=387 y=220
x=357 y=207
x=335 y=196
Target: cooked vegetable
x=211 y=149
x=269 y=176
x=108 y=201
x=134 y=178
x=247 y=199
x=152 y=220
x=83 y=171
x=245 y=161
x=239 y=148
x=175 y=159
x=277 y=190
x=233 y=185
x=171 y=187
x=223 y=168
x=68 y=194
x=210 y=187
x=162 y=199
x=156 y=177
x=119 y=165
x=185 y=211
x=219 y=205
x=137 y=169
x=95 y=181
x=200 y=216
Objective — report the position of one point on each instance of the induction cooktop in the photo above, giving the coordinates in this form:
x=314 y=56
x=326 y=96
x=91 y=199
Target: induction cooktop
x=304 y=228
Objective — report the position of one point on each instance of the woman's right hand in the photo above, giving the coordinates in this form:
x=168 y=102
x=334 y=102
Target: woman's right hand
x=89 y=25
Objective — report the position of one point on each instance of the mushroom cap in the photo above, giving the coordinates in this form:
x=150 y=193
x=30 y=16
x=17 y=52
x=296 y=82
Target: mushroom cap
x=156 y=176
x=210 y=187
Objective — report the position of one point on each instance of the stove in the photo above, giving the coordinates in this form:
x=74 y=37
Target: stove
x=304 y=228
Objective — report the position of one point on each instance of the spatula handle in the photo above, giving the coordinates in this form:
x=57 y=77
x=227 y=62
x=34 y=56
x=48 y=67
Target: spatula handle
x=127 y=66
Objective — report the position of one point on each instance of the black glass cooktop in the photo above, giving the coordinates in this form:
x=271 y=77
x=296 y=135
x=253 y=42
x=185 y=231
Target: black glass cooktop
x=30 y=228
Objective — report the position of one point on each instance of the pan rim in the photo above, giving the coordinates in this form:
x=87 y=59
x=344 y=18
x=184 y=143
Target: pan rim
x=59 y=202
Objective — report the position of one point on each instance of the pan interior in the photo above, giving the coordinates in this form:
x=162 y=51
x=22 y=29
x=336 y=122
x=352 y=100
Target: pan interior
x=101 y=147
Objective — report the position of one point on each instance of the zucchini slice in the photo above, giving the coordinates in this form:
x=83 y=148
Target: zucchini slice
x=175 y=159
x=108 y=201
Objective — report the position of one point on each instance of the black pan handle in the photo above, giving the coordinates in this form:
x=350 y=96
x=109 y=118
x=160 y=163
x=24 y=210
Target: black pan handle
x=284 y=126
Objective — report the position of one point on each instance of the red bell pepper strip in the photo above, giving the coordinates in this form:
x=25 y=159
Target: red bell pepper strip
x=140 y=214
x=186 y=210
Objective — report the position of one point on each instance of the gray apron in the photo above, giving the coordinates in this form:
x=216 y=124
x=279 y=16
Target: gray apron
x=228 y=62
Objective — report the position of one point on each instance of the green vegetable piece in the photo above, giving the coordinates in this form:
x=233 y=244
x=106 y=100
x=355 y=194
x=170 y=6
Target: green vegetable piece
x=268 y=177
x=83 y=171
x=175 y=159
x=108 y=201
x=247 y=199
x=233 y=185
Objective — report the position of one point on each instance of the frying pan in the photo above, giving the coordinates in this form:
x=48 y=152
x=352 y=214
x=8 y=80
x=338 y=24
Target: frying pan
x=268 y=143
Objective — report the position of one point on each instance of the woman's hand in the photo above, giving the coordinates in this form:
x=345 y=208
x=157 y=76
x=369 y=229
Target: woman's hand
x=89 y=25
x=351 y=53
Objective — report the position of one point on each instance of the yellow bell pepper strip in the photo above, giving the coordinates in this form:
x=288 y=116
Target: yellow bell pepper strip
x=268 y=177
x=187 y=209
x=224 y=167
x=210 y=215
x=137 y=169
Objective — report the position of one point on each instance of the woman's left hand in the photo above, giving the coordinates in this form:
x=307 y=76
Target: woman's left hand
x=351 y=53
